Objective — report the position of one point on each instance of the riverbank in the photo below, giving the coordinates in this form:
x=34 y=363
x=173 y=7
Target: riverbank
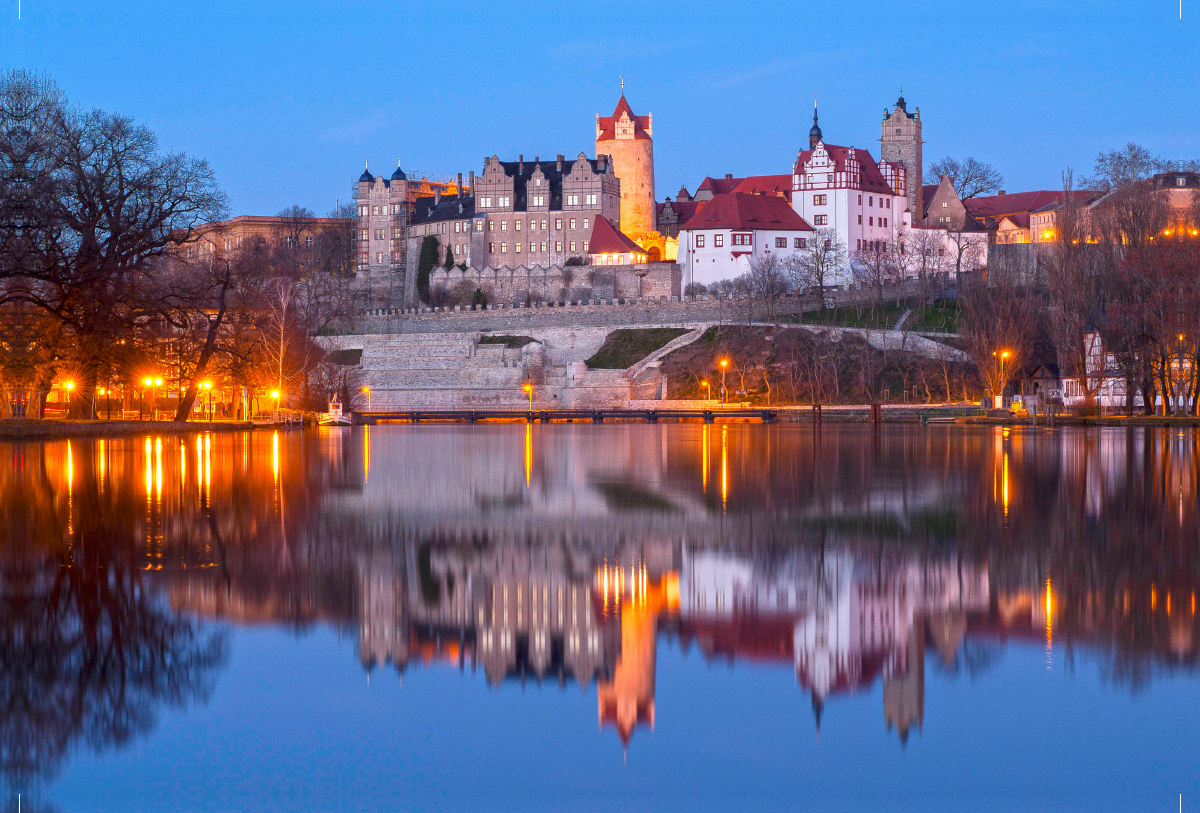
x=16 y=429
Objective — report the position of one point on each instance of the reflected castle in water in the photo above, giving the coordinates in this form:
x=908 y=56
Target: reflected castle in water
x=564 y=554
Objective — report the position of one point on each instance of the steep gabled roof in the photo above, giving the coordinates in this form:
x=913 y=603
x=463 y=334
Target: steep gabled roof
x=870 y=178
x=757 y=212
x=431 y=209
x=996 y=206
x=608 y=239
x=718 y=186
x=606 y=125
x=685 y=208
x=778 y=185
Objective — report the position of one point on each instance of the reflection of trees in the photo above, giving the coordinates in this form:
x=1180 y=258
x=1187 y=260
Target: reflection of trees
x=88 y=649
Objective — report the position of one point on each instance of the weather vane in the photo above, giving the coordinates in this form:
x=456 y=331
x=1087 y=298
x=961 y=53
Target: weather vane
x=623 y=76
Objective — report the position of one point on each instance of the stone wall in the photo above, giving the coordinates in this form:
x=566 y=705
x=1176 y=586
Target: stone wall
x=521 y=285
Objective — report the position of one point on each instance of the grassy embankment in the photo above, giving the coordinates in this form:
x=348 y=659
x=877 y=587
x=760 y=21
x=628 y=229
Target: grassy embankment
x=626 y=347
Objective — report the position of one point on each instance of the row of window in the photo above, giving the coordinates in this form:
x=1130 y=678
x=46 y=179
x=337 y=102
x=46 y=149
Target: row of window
x=502 y=201
x=379 y=210
x=744 y=240
x=589 y=200
x=518 y=247
x=533 y=224
x=871 y=221
x=884 y=203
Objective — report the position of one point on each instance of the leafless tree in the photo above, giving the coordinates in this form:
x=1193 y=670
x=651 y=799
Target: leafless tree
x=998 y=324
x=768 y=280
x=971 y=178
x=815 y=267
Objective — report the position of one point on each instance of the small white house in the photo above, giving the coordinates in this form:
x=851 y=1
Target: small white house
x=725 y=233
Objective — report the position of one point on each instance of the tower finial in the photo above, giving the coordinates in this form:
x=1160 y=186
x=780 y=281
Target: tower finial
x=622 y=84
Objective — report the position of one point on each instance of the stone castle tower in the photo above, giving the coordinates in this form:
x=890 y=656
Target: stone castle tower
x=900 y=140
x=627 y=139
x=382 y=226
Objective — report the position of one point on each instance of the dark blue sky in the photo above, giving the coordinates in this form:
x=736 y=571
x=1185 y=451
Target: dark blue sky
x=287 y=99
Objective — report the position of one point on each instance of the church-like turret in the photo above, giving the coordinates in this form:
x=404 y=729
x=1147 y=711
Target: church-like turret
x=628 y=139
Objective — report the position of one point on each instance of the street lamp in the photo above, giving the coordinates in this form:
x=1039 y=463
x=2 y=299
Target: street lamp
x=1004 y=354
x=529 y=391
x=70 y=386
x=207 y=385
x=149 y=382
x=707 y=389
x=367 y=390
x=99 y=391
x=724 y=366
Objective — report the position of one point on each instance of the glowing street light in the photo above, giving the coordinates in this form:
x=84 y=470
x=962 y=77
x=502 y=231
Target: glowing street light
x=207 y=385
x=153 y=384
x=707 y=388
x=529 y=391
x=367 y=390
x=1004 y=354
x=724 y=367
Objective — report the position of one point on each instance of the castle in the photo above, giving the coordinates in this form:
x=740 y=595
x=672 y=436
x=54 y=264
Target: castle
x=516 y=216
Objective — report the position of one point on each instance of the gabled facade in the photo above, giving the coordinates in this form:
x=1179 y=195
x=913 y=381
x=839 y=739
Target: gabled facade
x=727 y=232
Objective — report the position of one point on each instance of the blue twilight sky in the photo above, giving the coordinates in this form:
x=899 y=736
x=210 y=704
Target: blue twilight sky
x=287 y=99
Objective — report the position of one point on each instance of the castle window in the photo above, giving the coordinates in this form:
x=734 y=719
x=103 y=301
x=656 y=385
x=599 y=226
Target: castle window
x=558 y=245
x=379 y=258
x=503 y=225
x=374 y=210
x=543 y=247
x=572 y=245
x=943 y=204
x=504 y=200
x=517 y=248
x=780 y=242
x=491 y=248
x=364 y=235
x=558 y=224
x=456 y=227
x=543 y=225
x=491 y=225
x=362 y=211
x=699 y=241
x=591 y=200
x=897 y=131
x=308 y=241
x=860 y=220
x=504 y=248
x=478 y=225
x=819 y=200
x=585 y=245
x=870 y=200
x=870 y=221
x=821 y=220
x=801 y=242
x=860 y=202
x=718 y=240
x=1181 y=181
x=485 y=202
x=572 y=223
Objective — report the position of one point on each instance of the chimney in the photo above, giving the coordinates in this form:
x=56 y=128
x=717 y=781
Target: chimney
x=729 y=176
x=520 y=164
x=1002 y=192
x=458 y=183
x=472 y=187
x=560 y=160
x=437 y=196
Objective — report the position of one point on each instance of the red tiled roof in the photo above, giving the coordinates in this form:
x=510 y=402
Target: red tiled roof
x=996 y=206
x=871 y=178
x=735 y=211
x=1018 y=219
x=719 y=186
x=928 y=190
x=778 y=185
x=608 y=239
x=607 y=124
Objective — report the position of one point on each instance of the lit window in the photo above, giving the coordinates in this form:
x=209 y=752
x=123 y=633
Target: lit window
x=718 y=240
x=801 y=242
x=478 y=225
x=543 y=225
x=585 y=245
x=503 y=225
x=503 y=201
x=504 y=248
x=516 y=225
x=943 y=204
x=586 y=221
x=558 y=245
x=591 y=200
x=699 y=241
x=572 y=245
x=558 y=224
x=572 y=223
x=491 y=248
x=819 y=200
x=543 y=246
x=485 y=202
x=517 y=248
x=821 y=220
x=780 y=242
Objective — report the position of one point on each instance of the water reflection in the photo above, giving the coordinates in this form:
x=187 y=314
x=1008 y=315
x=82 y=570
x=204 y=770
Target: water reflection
x=555 y=555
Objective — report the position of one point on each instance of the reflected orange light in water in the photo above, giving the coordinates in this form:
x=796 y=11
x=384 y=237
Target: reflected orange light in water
x=100 y=447
x=366 y=454
x=1049 y=621
x=528 y=453
x=704 y=453
x=275 y=455
x=70 y=468
x=1153 y=598
x=149 y=452
x=158 y=474
x=724 y=466
x=1004 y=483
x=207 y=468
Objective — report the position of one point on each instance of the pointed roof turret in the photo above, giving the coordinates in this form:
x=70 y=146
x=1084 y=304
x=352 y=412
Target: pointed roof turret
x=366 y=177
x=814 y=134
x=399 y=175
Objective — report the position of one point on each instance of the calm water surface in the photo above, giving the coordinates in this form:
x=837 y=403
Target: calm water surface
x=602 y=617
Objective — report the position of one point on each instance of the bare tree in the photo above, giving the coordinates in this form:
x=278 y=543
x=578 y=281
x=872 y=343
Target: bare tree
x=1119 y=168
x=816 y=266
x=768 y=280
x=971 y=178
x=998 y=324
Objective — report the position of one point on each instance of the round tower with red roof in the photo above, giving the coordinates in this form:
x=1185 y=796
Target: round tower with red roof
x=627 y=139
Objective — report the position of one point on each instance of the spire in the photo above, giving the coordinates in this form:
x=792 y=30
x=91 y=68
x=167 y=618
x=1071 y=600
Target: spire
x=366 y=177
x=622 y=85
x=814 y=135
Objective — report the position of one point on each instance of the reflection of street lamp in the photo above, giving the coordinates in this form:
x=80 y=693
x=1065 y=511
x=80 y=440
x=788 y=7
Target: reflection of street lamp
x=724 y=366
x=367 y=390
x=529 y=391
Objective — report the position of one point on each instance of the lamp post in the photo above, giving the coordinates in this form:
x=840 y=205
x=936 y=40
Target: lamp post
x=207 y=385
x=99 y=391
x=724 y=367
x=707 y=389
x=149 y=382
x=529 y=391
x=367 y=390
x=70 y=386
x=275 y=395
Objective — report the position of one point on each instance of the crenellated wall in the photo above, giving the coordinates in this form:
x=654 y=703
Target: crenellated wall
x=555 y=283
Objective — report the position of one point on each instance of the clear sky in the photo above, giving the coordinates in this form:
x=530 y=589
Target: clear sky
x=286 y=99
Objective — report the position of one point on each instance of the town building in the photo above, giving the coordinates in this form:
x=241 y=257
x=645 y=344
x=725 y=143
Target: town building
x=719 y=241
x=900 y=142
x=627 y=139
x=608 y=245
x=863 y=202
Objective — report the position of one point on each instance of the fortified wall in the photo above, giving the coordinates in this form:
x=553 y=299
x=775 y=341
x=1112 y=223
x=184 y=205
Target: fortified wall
x=562 y=283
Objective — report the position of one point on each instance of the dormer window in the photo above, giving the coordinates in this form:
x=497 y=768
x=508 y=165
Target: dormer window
x=1181 y=181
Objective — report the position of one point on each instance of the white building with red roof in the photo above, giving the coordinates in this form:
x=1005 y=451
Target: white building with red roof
x=864 y=201
x=720 y=239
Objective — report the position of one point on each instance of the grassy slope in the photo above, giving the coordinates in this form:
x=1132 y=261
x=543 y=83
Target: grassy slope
x=626 y=347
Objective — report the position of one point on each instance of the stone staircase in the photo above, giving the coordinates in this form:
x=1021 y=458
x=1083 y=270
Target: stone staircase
x=451 y=371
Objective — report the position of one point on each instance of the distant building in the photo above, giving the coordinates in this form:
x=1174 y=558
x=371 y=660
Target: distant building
x=628 y=139
x=719 y=241
x=900 y=142
x=607 y=245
